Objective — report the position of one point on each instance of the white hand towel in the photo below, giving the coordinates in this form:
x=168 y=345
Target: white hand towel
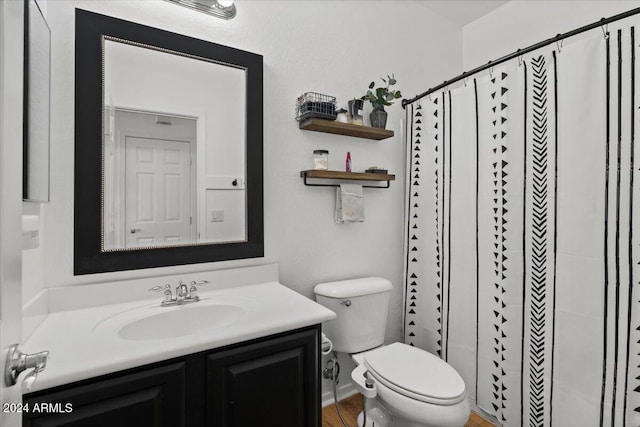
x=349 y=203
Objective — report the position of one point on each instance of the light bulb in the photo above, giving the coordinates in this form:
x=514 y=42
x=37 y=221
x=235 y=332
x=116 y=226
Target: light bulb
x=225 y=3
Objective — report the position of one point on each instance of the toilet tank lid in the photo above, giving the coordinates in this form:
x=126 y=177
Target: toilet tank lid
x=353 y=288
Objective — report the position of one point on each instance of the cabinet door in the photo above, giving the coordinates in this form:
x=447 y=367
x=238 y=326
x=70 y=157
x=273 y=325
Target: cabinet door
x=150 y=398
x=270 y=383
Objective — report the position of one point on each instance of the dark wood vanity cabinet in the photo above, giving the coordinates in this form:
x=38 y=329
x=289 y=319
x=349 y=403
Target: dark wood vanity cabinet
x=270 y=382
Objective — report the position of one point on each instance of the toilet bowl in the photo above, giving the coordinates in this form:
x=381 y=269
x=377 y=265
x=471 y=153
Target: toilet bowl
x=403 y=386
x=413 y=387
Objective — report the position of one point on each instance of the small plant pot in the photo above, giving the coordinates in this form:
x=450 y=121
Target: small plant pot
x=378 y=119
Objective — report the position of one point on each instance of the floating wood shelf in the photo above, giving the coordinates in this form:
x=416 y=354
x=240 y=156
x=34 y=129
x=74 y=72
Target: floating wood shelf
x=346 y=176
x=348 y=129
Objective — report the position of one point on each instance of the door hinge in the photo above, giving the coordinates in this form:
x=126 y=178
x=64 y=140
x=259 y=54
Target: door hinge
x=190 y=220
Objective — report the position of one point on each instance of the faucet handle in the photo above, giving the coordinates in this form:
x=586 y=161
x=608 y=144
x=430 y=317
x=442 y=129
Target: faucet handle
x=193 y=289
x=200 y=283
x=168 y=296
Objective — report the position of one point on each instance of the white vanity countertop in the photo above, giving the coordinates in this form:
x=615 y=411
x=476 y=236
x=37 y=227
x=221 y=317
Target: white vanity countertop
x=84 y=342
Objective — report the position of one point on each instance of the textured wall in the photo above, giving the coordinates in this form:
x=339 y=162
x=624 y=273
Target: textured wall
x=519 y=24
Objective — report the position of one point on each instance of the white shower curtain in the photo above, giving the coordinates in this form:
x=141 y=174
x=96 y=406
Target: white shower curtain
x=522 y=238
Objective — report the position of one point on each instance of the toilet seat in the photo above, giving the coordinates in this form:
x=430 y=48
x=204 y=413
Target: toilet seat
x=415 y=373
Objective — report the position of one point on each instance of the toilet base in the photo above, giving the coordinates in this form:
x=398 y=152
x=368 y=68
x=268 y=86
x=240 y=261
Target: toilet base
x=375 y=418
x=384 y=422
x=381 y=415
x=377 y=414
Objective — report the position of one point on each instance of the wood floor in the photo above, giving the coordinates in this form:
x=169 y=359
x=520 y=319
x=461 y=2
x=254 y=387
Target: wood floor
x=352 y=406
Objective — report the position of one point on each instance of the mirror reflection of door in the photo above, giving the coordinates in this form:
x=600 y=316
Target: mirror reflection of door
x=150 y=186
x=158 y=200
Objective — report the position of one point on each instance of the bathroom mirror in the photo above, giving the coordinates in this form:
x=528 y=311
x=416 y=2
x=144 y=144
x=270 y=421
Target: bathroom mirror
x=168 y=148
x=36 y=106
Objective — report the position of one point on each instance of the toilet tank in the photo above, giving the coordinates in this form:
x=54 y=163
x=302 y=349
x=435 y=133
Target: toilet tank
x=361 y=306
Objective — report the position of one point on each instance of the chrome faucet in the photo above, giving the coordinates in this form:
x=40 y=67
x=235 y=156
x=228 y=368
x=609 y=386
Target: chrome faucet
x=183 y=295
x=182 y=292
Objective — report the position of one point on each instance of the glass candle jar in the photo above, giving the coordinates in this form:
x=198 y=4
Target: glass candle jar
x=321 y=159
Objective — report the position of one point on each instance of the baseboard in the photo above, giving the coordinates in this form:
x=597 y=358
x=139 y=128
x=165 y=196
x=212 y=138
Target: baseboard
x=343 y=391
x=482 y=412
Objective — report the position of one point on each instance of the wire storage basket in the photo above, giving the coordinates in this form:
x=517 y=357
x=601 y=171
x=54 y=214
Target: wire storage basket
x=313 y=104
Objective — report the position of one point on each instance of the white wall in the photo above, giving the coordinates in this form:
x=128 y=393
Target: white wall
x=333 y=47
x=519 y=24
x=33 y=259
x=148 y=80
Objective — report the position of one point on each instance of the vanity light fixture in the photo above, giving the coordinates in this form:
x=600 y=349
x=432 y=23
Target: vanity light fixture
x=224 y=9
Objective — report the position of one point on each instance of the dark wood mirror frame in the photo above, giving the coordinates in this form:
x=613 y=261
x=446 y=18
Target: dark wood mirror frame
x=89 y=256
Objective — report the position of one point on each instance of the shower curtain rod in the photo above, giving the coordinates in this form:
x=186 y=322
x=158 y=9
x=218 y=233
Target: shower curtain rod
x=602 y=22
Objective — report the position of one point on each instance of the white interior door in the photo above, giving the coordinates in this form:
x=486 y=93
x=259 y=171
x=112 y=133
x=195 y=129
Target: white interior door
x=158 y=192
x=11 y=54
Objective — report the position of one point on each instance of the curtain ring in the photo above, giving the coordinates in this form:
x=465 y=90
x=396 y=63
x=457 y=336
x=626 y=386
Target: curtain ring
x=491 y=71
x=559 y=45
x=465 y=81
x=519 y=58
x=605 y=30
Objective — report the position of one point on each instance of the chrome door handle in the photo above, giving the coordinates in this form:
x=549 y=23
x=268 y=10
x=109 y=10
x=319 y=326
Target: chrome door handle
x=135 y=230
x=17 y=362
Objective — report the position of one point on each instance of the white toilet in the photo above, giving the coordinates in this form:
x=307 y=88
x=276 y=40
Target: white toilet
x=404 y=386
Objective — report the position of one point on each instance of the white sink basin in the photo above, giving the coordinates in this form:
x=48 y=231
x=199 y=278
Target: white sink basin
x=181 y=321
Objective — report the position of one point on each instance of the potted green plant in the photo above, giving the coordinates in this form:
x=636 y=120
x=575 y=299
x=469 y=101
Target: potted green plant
x=381 y=97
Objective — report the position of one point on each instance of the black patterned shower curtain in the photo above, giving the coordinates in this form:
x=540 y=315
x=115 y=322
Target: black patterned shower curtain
x=523 y=238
